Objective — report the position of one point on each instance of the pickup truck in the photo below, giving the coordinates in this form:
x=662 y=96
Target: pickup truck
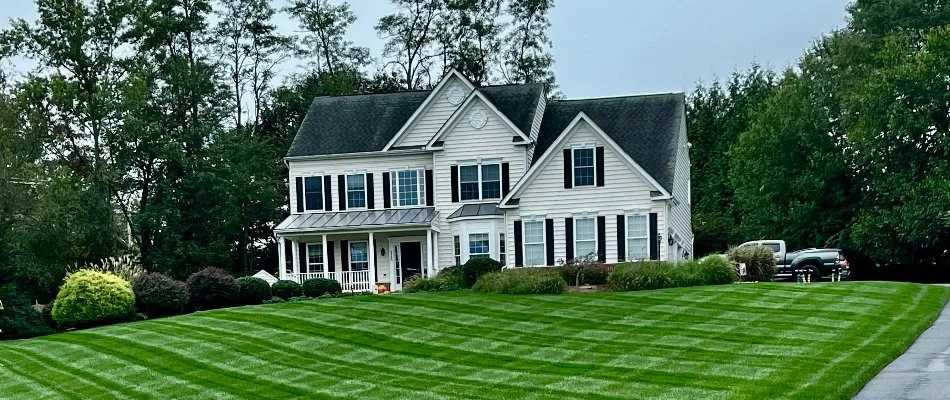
x=817 y=262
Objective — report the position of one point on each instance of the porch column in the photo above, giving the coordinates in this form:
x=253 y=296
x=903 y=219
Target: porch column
x=429 y=252
x=296 y=253
x=371 y=249
x=326 y=262
x=435 y=252
x=282 y=258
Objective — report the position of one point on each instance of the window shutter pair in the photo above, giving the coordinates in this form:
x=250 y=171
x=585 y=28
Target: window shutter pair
x=519 y=255
x=549 y=240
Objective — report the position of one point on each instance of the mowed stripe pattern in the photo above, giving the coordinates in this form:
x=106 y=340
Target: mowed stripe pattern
x=758 y=341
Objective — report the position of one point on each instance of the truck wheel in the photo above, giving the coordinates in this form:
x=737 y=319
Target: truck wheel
x=813 y=272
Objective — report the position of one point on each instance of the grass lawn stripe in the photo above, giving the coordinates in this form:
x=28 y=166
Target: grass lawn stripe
x=73 y=387
x=29 y=370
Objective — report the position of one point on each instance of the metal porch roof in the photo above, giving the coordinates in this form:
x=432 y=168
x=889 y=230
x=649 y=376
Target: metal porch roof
x=343 y=220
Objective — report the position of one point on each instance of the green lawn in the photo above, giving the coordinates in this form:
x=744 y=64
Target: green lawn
x=755 y=341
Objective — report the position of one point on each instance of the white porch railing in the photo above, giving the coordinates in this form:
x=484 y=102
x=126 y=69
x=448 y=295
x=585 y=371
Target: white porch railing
x=351 y=281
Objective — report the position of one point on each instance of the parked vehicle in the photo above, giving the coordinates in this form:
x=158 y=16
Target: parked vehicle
x=817 y=263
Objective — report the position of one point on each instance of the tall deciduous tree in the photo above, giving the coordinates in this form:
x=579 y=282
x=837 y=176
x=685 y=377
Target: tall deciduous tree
x=410 y=35
x=326 y=25
x=528 y=57
x=473 y=28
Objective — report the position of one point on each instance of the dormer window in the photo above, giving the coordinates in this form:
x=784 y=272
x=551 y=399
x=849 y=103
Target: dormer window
x=313 y=193
x=584 y=167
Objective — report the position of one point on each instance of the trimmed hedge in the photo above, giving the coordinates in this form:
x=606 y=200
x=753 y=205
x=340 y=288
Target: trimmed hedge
x=253 y=290
x=759 y=261
x=448 y=279
x=649 y=275
x=90 y=298
x=18 y=318
x=286 y=289
x=213 y=288
x=476 y=267
x=522 y=281
x=157 y=295
x=317 y=287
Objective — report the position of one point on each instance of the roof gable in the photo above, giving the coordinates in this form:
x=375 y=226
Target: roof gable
x=645 y=127
x=476 y=97
x=436 y=93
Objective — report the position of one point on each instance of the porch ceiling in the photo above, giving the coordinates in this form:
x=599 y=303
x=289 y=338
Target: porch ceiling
x=346 y=220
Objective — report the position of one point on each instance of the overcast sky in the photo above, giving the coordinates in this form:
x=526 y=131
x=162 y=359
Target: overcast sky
x=617 y=47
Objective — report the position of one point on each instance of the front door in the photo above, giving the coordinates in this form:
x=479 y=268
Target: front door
x=409 y=261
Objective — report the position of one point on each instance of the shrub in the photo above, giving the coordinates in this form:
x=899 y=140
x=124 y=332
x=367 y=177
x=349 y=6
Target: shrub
x=91 y=298
x=157 y=295
x=447 y=279
x=718 y=271
x=522 y=281
x=317 y=287
x=18 y=318
x=660 y=275
x=274 y=300
x=584 y=271
x=759 y=261
x=126 y=267
x=253 y=290
x=476 y=267
x=286 y=289
x=213 y=288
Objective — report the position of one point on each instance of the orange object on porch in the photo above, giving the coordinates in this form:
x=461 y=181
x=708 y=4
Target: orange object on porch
x=382 y=288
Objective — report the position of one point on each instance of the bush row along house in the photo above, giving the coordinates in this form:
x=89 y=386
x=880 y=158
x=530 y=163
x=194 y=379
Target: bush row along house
x=387 y=186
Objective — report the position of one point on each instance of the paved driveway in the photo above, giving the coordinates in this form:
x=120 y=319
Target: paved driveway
x=923 y=372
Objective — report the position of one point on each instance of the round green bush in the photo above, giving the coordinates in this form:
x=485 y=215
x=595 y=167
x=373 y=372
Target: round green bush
x=253 y=290
x=213 y=288
x=522 y=281
x=317 y=287
x=286 y=289
x=157 y=295
x=91 y=298
x=476 y=267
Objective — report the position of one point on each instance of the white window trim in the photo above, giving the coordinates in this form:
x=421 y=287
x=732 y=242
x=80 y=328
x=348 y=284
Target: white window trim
x=478 y=167
x=349 y=255
x=524 y=243
x=574 y=150
x=487 y=238
x=502 y=249
x=457 y=249
x=322 y=265
x=595 y=239
x=303 y=191
x=347 y=188
x=394 y=187
x=627 y=237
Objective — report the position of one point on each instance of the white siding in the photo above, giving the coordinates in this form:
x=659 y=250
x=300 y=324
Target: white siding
x=680 y=214
x=375 y=165
x=433 y=117
x=623 y=191
x=465 y=144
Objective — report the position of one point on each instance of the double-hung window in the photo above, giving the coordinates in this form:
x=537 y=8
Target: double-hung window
x=638 y=244
x=313 y=193
x=356 y=191
x=315 y=258
x=533 y=243
x=585 y=236
x=458 y=250
x=583 y=167
x=478 y=245
x=408 y=188
x=480 y=182
x=359 y=256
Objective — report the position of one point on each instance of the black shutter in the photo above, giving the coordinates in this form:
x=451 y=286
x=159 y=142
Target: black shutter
x=621 y=238
x=341 y=188
x=519 y=256
x=455 y=183
x=302 y=255
x=599 y=166
x=569 y=238
x=430 y=188
x=299 y=184
x=386 y=195
x=654 y=243
x=602 y=238
x=549 y=240
x=327 y=198
x=344 y=255
x=328 y=253
x=505 y=179
x=568 y=171
x=370 y=192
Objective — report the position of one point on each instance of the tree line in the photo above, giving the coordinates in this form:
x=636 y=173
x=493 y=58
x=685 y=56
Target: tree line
x=158 y=127
x=848 y=148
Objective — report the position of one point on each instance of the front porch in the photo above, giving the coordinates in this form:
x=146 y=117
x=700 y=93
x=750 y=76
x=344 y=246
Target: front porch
x=363 y=250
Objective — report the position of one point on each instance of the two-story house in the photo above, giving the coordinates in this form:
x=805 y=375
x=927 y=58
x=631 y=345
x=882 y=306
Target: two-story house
x=387 y=186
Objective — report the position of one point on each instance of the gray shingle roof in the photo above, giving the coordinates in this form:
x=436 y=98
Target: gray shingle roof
x=646 y=127
x=363 y=123
x=357 y=219
x=476 y=210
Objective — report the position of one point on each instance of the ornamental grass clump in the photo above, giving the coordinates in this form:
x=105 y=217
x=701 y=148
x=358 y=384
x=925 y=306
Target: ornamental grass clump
x=126 y=267
x=650 y=275
x=447 y=280
x=522 y=281
x=90 y=298
x=759 y=261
